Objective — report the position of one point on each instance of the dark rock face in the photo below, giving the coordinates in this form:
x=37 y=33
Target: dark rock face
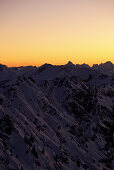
x=56 y=117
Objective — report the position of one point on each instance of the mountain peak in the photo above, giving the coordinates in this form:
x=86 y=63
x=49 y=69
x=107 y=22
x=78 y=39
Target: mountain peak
x=108 y=64
x=82 y=65
x=85 y=65
x=70 y=63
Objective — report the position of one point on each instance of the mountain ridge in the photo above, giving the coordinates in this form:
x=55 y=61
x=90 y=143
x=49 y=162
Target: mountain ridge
x=68 y=63
x=56 y=117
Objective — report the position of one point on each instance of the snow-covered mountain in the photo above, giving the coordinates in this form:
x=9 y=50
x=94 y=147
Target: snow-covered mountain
x=107 y=68
x=56 y=117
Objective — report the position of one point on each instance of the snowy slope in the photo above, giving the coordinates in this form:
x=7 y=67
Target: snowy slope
x=56 y=117
x=106 y=68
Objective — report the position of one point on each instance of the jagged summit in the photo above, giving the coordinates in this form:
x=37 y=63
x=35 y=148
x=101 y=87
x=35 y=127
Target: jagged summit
x=106 y=68
x=46 y=65
x=107 y=64
x=83 y=65
x=69 y=63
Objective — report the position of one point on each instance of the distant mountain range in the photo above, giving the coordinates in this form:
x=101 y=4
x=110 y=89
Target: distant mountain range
x=57 y=117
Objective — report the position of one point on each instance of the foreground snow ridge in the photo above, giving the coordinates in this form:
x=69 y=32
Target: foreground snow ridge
x=57 y=117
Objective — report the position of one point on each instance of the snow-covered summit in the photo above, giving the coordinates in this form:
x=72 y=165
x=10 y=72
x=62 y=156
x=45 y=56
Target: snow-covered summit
x=56 y=117
x=106 y=68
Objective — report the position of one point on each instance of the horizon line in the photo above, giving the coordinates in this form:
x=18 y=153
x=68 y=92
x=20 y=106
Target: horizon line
x=56 y=64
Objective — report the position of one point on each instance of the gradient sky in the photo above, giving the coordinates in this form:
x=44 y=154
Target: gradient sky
x=33 y=32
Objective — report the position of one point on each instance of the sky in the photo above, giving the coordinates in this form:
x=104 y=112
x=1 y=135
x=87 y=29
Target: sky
x=34 y=32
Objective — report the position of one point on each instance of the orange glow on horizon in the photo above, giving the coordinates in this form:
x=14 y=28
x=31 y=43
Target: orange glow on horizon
x=49 y=31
